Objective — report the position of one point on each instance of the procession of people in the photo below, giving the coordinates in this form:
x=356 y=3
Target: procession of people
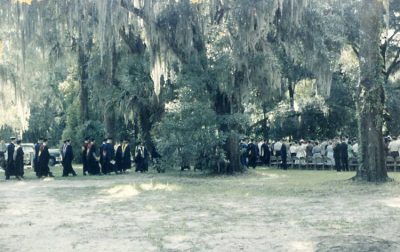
x=117 y=157
x=111 y=158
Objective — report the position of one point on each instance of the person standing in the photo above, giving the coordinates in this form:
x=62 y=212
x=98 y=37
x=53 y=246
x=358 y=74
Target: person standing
x=284 y=155
x=118 y=158
x=84 y=155
x=36 y=156
x=19 y=160
x=68 y=157
x=293 y=149
x=336 y=155
x=101 y=160
x=252 y=153
x=44 y=158
x=277 y=148
x=126 y=156
x=266 y=153
x=108 y=156
x=243 y=152
x=10 y=171
x=330 y=154
x=3 y=149
x=344 y=156
x=92 y=160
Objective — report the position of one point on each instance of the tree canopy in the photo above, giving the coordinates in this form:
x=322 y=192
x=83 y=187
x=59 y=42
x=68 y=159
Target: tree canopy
x=190 y=77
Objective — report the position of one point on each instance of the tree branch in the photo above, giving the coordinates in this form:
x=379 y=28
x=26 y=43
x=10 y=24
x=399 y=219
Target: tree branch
x=356 y=50
x=393 y=65
x=131 y=8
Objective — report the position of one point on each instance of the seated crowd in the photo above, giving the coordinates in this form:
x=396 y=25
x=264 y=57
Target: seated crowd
x=340 y=152
x=336 y=152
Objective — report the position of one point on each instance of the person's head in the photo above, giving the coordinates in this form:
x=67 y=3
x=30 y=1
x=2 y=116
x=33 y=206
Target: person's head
x=68 y=141
x=18 y=142
x=12 y=139
x=350 y=142
x=45 y=141
x=40 y=140
x=2 y=141
x=86 y=140
x=109 y=140
x=316 y=143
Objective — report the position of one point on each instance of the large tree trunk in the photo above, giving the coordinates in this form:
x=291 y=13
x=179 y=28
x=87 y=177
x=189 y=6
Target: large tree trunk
x=371 y=95
x=224 y=106
x=83 y=60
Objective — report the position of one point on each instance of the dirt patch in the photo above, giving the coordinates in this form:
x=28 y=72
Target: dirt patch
x=265 y=210
x=356 y=243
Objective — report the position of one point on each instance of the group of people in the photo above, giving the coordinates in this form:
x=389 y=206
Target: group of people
x=337 y=151
x=15 y=158
x=110 y=158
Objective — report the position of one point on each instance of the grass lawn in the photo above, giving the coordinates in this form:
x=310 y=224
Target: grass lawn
x=261 y=210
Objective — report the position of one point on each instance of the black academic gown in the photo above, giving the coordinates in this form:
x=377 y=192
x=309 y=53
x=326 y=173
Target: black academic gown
x=84 y=159
x=266 y=153
x=19 y=162
x=118 y=159
x=92 y=163
x=67 y=161
x=344 y=156
x=336 y=156
x=10 y=171
x=284 y=156
x=36 y=158
x=126 y=158
x=252 y=153
x=108 y=157
x=44 y=157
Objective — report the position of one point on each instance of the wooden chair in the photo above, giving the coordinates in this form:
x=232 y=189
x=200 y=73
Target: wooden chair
x=309 y=162
x=390 y=163
x=328 y=163
x=273 y=161
x=397 y=161
x=295 y=162
x=353 y=164
x=318 y=162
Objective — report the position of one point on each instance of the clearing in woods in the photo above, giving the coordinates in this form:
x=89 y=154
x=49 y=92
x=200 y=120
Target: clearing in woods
x=262 y=210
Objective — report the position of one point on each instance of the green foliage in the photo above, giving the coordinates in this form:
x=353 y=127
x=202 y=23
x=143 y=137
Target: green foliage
x=188 y=133
x=6 y=132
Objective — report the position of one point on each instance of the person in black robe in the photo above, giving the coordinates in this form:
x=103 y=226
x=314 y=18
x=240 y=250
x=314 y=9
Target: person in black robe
x=36 y=156
x=68 y=157
x=243 y=153
x=44 y=158
x=252 y=153
x=141 y=158
x=118 y=158
x=344 y=155
x=336 y=156
x=284 y=156
x=126 y=156
x=19 y=160
x=101 y=159
x=92 y=160
x=108 y=155
x=10 y=170
x=266 y=157
x=84 y=155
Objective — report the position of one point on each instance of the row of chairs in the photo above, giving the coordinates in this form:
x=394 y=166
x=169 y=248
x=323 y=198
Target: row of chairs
x=322 y=163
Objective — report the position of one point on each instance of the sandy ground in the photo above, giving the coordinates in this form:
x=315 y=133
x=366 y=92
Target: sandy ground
x=264 y=210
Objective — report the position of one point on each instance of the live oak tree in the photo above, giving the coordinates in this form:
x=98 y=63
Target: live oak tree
x=371 y=94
